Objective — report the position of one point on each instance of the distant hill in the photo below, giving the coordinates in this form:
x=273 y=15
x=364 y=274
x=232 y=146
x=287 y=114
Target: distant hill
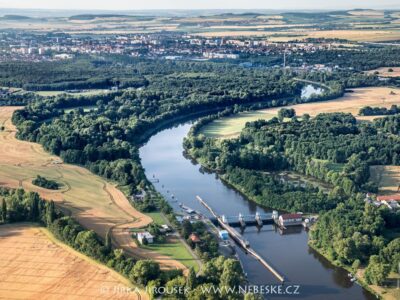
x=245 y=14
x=88 y=17
x=15 y=17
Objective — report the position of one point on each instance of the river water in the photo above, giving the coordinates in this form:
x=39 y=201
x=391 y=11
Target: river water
x=287 y=251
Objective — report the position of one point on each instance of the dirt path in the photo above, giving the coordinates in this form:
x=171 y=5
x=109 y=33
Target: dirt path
x=34 y=266
x=93 y=202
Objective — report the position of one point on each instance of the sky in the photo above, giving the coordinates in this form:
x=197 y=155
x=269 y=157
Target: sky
x=199 y=4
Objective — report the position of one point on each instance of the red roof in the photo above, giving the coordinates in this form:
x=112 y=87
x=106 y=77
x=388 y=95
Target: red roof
x=395 y=197
x=291 y=216
x=194 y=238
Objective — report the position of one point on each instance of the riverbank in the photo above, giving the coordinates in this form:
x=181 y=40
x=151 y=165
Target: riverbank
x=360 y=279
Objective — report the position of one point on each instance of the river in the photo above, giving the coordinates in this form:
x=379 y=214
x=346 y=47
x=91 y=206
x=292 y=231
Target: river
x=287 y=251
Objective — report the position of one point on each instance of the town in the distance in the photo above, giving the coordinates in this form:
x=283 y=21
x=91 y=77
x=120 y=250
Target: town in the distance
x=214 y=154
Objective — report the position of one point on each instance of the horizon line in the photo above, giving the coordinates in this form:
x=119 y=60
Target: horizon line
x=202 y=9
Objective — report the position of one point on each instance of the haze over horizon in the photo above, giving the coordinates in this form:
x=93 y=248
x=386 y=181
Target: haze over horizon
x=205 y=4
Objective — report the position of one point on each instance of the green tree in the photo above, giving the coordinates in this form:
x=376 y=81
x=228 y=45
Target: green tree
x=250 y=296
x=355 y=266
x=152 y=287
x=231 y=277
x=376 y=271
x=108 y=241
x=306 y=117
x=391 y=254
x=4 y=211
x=144 y=271
x=50 y=213
x=206 y=291
x=286 y=113
x=191 y=281
x=346 y=249
x=176 y=287
x=34 y=209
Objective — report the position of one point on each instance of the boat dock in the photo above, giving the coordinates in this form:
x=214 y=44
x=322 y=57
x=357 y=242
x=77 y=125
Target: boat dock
x=241 y=240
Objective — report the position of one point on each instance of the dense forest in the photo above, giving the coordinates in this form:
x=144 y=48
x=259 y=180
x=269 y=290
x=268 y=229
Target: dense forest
x=330 y=147
x=358 y=234
x=21 y=206
x=105 y=138
x=360 y=59
x=333 y=148
x=17 y=99
x=80 y=73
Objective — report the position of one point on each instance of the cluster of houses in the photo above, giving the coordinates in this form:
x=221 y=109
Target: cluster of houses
x=145 y=237
x=390 y=201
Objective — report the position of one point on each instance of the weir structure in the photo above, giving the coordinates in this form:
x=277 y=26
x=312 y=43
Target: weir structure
x=258 y=219
x=237 y=237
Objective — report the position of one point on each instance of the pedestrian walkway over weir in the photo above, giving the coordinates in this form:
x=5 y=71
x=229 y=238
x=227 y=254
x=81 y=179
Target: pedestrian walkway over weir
x=257 y=219
x=236 y=236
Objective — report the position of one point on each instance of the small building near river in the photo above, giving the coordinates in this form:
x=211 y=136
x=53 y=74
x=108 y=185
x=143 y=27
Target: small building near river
x=290 y=219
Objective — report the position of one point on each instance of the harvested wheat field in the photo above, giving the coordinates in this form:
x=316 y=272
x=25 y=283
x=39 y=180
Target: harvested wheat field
x=230 y=127
x=92 y=201
x=387 y=178
x=36 y=266
x=385 y=72
x=355 y=35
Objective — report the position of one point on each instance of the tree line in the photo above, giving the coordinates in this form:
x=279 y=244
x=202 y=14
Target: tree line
x=379 y=111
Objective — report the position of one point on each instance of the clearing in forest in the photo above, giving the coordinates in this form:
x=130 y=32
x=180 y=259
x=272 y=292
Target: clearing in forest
x=230 y=127
x=36 y=266
x=387 y=178
x=93 y=202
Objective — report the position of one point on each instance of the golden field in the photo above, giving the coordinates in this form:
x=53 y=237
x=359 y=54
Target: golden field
x=93 y=202
x=35 y=266
x=350 y=103
x=384 y=72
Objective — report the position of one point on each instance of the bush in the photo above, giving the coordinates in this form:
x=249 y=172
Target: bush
x=45 y=183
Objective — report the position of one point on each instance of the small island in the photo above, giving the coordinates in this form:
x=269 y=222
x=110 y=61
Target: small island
x=46 y=183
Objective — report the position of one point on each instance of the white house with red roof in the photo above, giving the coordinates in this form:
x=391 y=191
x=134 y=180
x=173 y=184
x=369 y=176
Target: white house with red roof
x=391 y=201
